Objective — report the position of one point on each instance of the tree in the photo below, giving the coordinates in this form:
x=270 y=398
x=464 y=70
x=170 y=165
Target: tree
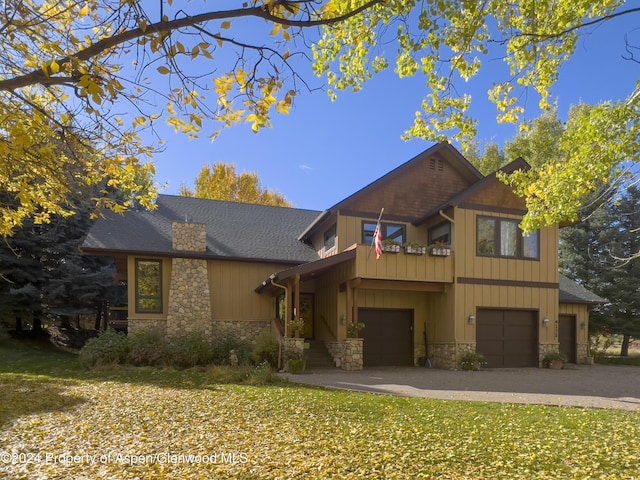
x=596 y=253
x=75 y=69
x=222 y=183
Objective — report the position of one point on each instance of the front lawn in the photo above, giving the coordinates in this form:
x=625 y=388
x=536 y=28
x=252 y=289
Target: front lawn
x=58 y=421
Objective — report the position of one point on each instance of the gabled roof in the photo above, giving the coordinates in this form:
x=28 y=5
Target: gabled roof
x=465 y=171
x=571 y=292
x=476 y=188
x=234 y=230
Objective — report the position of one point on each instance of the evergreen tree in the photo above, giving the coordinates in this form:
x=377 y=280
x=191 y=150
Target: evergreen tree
x=597 y=253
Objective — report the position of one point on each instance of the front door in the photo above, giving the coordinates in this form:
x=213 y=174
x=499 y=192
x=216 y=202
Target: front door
x=567 y=336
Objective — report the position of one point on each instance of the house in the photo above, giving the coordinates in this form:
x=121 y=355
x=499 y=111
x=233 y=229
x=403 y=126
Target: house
x=211 y=266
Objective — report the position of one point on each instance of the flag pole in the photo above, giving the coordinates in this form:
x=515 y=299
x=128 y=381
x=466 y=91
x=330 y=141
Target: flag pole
x=373 y=240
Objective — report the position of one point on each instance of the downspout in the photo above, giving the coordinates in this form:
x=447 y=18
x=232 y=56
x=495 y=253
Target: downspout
x=272 y=278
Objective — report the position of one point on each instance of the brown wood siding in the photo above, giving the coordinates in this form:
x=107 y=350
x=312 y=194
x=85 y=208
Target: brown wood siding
x=413 y=191
x=232 y=290
x=498 y=194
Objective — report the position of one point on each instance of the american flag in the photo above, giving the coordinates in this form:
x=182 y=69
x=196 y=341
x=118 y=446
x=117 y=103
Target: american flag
x=377 y=241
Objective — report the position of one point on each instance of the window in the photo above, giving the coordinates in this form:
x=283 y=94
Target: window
x=390 y=231
x=441 y=233
x=148 y=286
x=330 y=238
x=497 y=237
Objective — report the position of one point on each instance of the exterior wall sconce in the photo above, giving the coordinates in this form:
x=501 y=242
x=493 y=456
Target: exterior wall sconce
x=472 y=319
x=583 y=325
x=343 y=319
x=545 y=321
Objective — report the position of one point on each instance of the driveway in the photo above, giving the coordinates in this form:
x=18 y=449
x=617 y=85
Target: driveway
x=588 y=386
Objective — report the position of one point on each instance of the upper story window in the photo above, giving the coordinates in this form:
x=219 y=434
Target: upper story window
x=441 y=233
x=499 y=237
x=148 y=286
x=390 y=231
x=330 y=238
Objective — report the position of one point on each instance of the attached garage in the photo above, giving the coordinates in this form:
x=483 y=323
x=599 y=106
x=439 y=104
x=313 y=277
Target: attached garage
x=507 y=338
x=388 y=337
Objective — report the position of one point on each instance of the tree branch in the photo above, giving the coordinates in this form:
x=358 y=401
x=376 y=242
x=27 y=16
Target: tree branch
x=39 y=77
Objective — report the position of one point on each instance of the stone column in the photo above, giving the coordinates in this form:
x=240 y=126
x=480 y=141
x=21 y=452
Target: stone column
x=352 y=349
x=189 y=293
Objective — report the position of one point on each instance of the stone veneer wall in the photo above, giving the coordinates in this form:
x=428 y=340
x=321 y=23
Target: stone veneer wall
x=583 y=354
x=189 y=294
x=336 y=351
x=352 y=354
x=292 y=348
x=448 y=355
x=137 y=325
x=545 y=349
x=244 y=330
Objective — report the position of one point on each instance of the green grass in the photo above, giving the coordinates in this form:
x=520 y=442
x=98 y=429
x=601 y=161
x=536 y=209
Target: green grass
x=144 y=423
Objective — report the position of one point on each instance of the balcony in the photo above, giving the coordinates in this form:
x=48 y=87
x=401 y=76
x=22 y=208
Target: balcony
x=403 y=266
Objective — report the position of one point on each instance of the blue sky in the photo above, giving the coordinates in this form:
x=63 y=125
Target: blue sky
x=324 y=151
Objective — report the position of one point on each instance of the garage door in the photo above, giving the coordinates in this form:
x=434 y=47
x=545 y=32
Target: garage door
x=388 y=337
x=508 y=338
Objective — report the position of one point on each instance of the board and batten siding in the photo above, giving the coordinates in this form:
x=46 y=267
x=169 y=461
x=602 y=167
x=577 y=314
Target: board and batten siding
x=470 y=265
x=484 y=282
x=232 y=290
x=581 y=312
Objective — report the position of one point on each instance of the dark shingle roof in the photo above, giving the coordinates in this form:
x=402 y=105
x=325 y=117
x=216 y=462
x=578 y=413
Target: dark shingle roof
x=234 y=230
x=571 y=292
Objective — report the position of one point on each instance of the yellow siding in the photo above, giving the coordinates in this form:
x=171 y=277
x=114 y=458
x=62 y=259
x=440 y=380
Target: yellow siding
x=331 y=304
x=232 y=290
x=469 y=265
x=469 y=298
x=400 y=266
x=582 y=317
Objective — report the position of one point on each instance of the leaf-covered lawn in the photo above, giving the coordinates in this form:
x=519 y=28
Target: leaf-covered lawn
x=118 y=426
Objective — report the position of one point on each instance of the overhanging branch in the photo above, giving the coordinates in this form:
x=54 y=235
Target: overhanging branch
x=38 y=76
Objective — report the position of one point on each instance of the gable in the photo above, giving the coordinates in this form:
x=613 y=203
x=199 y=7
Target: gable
x=497 y=194
x=415 y=187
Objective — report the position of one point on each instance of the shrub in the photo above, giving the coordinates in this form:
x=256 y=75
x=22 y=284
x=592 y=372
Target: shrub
x=221 y=348
x=110 y=347
x=266 y=349
x=473 y=361
x=147 y=347
x=296 y=365
x=188 y=350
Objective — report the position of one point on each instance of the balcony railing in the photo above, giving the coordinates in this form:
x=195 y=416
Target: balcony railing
x=403 y=266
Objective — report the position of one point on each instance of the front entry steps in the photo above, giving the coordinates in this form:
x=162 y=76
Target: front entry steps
x=317 y=356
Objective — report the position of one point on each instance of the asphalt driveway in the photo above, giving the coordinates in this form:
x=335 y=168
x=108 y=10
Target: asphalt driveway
x=588 y=386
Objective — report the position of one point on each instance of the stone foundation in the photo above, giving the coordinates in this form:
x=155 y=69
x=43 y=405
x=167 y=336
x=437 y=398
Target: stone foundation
x=583 y=354
x=244 y=330
x=443 y=355
x=352 y=349
x=419 y=351
x=137 y=325
x=336 y=351
x=545 y=349
x=292 y=348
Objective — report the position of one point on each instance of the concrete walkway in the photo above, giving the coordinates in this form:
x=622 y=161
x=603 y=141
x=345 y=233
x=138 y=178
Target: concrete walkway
x=587 y=386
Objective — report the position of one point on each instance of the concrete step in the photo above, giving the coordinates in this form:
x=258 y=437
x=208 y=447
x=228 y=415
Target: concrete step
x=317 y=356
